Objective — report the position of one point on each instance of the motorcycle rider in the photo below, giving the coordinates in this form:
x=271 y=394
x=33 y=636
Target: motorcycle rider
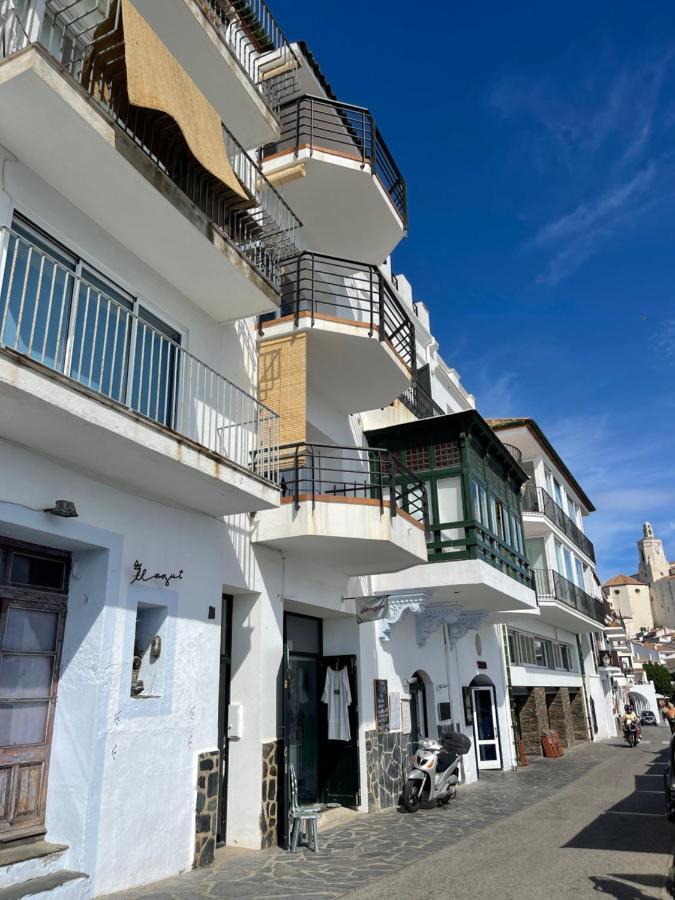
x=631 y=716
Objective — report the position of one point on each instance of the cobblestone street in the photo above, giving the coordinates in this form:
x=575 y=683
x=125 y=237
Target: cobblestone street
x=368 y=858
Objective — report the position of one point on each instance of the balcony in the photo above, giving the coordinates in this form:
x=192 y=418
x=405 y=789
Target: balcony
x=331 y=156
x=96 y=385
x=564 y=604
x=237 y=54
x=476 y=555
x=354 y=508
x=349 y=313
x=537 y=500
x=131 y=170
x=419 y=402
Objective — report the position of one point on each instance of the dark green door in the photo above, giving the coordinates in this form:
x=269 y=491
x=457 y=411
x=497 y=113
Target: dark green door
x=339 y=759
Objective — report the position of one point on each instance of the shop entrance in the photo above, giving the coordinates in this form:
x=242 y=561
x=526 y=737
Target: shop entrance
x=320 y=718
x=33 y=597
x=485 y=725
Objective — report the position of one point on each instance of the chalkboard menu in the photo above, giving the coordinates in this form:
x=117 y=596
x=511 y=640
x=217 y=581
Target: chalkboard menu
x=382 y=704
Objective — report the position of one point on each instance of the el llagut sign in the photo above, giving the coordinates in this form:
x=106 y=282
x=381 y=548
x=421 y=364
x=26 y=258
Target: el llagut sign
x=166 y=578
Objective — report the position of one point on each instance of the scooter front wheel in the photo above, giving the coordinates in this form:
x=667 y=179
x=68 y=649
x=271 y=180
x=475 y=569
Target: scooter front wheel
x=411 y=795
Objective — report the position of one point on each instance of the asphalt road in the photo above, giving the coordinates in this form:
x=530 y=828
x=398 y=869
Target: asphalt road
x=604 y=833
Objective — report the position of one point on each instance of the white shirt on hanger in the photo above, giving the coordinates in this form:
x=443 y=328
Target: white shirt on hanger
x=337 y=695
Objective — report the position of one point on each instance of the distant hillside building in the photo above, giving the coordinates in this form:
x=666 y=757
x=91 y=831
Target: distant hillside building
x=630 y=601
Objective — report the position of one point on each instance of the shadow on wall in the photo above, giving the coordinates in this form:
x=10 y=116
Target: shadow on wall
x=637 y=823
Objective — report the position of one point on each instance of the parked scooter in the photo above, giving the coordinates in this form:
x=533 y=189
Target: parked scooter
x=630 y=733
x=433 y=779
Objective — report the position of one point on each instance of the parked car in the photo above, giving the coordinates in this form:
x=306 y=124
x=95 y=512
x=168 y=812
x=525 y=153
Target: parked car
x=648 y=718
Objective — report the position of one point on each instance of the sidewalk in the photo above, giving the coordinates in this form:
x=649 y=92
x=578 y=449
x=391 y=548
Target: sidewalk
x=383 y=844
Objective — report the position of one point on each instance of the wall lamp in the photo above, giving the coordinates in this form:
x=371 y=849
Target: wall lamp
x=65 y=509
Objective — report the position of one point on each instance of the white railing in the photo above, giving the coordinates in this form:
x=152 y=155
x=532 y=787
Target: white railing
x=51 y=313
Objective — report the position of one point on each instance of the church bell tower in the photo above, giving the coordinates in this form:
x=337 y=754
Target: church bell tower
x=653 y=562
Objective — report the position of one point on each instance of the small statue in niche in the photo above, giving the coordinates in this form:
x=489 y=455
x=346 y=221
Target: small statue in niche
x=136 y=684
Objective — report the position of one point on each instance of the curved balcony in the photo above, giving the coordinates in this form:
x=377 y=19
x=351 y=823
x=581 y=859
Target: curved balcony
x=564 y=604
x=331 y=156
x=537 y=500
x=355 y=508
x=361 y=341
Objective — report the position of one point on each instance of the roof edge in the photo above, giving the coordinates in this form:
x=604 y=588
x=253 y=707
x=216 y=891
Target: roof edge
x=508 y=424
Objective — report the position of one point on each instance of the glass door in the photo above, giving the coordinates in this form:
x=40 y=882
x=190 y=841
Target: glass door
x=485 y=728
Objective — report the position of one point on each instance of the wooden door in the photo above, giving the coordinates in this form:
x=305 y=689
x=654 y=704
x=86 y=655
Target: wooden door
x=31 y=635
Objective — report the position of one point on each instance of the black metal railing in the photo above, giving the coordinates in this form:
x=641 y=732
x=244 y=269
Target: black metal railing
x=341 y=129
x=514 y=451
x=90 y=48
x=353 y=292
x=551 y=585
x=537 y=500
x=416 y=399
x=313 y=471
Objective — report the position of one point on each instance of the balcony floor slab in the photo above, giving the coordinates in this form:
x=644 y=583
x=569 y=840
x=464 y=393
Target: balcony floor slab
x=362 y=223
x=41 y=412
x=353 y=536
x=554 y=612
x=470 y=583
x=53 y=127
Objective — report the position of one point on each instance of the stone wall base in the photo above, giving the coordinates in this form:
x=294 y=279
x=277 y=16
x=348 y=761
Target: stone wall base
x=388 y=762
x=544 y=709
x=272 y=801
x=206 y=818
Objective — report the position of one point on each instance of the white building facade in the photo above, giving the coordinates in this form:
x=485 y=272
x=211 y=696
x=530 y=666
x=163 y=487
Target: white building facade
x=226 y=428
x=553 y=659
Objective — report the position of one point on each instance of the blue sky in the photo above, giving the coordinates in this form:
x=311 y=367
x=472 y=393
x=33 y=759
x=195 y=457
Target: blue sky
x=538 y=144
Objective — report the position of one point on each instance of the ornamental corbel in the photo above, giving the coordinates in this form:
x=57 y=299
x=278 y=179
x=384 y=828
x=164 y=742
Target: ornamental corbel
x=400 y=605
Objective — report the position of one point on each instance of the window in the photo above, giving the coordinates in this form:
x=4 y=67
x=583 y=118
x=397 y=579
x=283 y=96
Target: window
x=557 y=657
x=64 y=314
x=565 y=655
x=579 y=569
x=475 y=500
x=450 y=506
x=527 y=650
x=558 y=493
x=513 y=644
x=539 y=653
x=37 y=571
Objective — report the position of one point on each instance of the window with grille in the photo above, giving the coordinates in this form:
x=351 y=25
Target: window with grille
x=447 y=454
x=417 y=459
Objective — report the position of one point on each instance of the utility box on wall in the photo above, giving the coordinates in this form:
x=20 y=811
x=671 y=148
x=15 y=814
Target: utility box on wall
x=234 y=721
